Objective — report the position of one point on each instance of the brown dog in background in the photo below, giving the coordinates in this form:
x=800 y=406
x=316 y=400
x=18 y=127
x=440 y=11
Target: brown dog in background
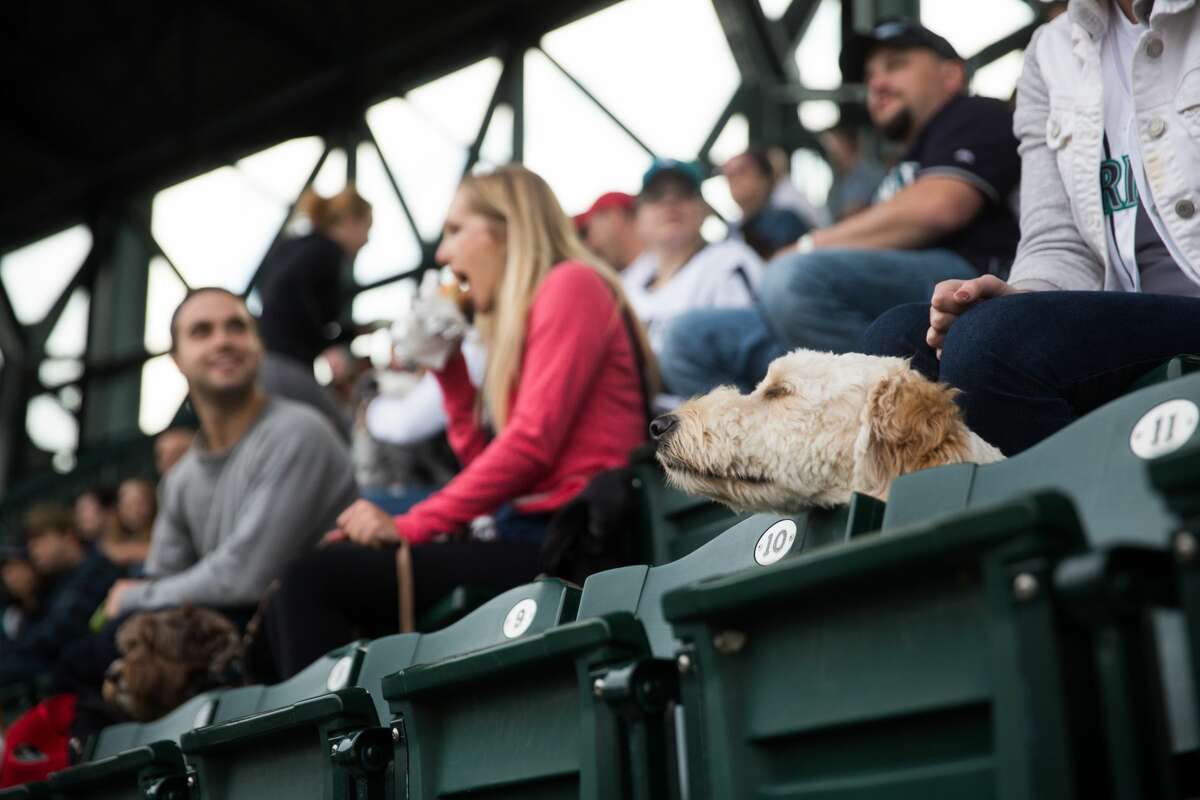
x=168 y=657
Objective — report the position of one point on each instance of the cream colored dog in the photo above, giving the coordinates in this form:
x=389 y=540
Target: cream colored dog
x=817 y=428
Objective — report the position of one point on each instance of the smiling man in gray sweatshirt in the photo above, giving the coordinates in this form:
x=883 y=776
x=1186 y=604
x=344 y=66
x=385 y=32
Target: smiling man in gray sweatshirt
x=263 y=480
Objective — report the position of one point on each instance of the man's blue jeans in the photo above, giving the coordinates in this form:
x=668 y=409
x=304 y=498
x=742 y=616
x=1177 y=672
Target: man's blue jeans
x=823 y=300
x=1029 y=364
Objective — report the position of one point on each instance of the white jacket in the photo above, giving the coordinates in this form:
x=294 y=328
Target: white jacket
x=1060 y=123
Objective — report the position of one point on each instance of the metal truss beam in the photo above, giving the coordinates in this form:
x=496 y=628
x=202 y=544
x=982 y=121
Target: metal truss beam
x=1017 y=40
x=596 y=102
x=116 y=329
x=763 y=51
x=796 y=19
x=759 y=47
x=512 y=85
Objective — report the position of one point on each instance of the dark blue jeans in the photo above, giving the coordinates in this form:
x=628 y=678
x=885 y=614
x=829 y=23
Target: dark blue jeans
x=1030 y=364
x=822 y=300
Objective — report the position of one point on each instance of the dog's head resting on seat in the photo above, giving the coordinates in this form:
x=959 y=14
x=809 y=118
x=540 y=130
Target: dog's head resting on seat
x=818 y=427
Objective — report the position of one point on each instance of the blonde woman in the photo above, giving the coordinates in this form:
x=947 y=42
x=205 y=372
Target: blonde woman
x=562 y=399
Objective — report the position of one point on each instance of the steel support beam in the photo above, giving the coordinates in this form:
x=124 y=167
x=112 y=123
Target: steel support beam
x=795 y=20
x=512 y=80
x=759 y=47
x=596 y=102
x=864 y=14
x=763 y=53
x=116 y=329
x=13 y=380
x=1017 y=40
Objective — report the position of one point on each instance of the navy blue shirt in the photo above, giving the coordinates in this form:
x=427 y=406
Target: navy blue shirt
x=971 y=139
x=772 y=229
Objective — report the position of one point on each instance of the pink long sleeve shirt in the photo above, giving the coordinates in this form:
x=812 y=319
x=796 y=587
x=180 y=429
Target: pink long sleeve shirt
x=576 y=410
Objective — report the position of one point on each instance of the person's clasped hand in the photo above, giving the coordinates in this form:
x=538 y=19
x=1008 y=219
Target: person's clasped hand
x=112 y=603
x=952 y=298
x=431 y=329
x=367 y=524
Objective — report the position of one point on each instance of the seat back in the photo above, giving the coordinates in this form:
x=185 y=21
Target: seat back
x=336 y=705
x=927 y=663
x=332 y=671
x=523 y=611
x=1177 y=367
x=1100 y=462
x=757 y=541
x=195 y=713
x=1094 y=461
x=673 y=523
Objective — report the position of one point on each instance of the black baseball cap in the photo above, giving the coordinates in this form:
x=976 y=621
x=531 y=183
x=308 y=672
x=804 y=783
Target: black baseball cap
x=902 y=34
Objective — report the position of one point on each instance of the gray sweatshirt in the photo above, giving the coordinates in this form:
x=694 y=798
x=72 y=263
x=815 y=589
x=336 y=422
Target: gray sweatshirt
x=231 y=522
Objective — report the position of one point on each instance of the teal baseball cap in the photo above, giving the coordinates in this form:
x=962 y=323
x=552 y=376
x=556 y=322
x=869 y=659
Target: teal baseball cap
x=688 y=172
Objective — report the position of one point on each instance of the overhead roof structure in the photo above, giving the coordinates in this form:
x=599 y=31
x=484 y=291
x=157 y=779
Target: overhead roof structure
x=102 y=99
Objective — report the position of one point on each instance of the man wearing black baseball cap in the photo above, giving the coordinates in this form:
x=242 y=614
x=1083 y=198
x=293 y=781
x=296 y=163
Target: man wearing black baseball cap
x=900 y=110
x=901 y=34
x=944 y=212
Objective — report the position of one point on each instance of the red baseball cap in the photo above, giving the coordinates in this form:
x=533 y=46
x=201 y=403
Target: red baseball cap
x=604 y=202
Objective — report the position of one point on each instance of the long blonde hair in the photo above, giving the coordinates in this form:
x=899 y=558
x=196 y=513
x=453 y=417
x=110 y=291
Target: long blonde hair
x=539 y=235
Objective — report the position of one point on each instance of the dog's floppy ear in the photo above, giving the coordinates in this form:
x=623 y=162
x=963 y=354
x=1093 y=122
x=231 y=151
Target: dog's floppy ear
x=910 y=423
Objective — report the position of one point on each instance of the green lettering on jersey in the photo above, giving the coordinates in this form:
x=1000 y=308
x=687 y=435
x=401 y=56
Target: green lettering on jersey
x=1118 y=187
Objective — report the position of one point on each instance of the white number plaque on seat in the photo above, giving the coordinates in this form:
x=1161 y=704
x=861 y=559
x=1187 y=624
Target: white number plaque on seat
x=339 y=676
x=775 y=542
x=520 y=617
x=1164 y=428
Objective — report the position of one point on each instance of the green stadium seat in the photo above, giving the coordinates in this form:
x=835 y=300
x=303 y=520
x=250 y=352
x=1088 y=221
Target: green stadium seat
x=584 y=709
x=335 y=670
x=935 y=661
x=462 y=600
x=1177 y=478
x=132 y=759
x=1093 y=462
x=673 y=523
x=1177 y=367
x=330 y=743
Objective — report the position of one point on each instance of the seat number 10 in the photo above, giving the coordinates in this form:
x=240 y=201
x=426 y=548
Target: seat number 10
x=775 y=542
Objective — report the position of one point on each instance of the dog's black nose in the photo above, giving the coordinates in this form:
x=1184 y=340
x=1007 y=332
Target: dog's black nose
x=661 y=426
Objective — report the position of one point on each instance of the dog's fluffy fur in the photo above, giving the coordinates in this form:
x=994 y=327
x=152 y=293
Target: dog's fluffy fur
x=819 y=427
x=167 y=657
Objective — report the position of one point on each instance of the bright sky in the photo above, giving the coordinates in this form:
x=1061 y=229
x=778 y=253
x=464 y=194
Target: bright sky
x=673 y=76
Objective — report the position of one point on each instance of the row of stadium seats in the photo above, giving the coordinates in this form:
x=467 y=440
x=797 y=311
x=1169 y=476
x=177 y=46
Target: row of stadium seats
x=1024 y=629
